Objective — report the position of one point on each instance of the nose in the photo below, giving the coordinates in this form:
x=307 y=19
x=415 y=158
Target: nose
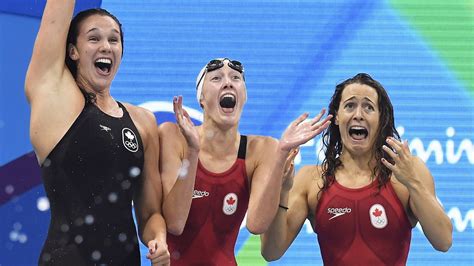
x=358 y=114
x=227 y=82
x=105 y=47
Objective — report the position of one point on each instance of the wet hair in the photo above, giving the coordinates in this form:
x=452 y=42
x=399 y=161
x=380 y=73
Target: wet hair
x=332 y=138
x=72 y=39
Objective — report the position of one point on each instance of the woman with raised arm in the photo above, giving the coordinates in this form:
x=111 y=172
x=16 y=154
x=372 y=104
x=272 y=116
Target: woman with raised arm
x=96 y=154
x=368 y=194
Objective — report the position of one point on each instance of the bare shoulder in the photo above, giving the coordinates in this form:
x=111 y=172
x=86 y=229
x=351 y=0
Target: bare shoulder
x=169 y=129
x=309 y=174
x=144 y=117
x=261 y=143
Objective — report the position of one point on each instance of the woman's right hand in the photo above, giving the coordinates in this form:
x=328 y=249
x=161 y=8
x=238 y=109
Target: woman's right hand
x=186 y=125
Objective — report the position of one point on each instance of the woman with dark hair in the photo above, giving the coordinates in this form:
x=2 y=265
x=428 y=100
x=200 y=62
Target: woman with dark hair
x=96 y=154
x=369 y=192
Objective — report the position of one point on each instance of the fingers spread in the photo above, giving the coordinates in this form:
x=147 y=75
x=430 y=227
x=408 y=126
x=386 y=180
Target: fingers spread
x=300 y=119
x=318 y=117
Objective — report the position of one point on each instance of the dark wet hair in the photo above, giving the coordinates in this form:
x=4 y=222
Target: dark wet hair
x=72 y=39
x=332 y=138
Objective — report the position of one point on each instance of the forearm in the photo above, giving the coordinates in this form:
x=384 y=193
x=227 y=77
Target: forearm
x=435 y=223
x=265 y=198
x=177 y=202
x=274 y=240
x=154 y=229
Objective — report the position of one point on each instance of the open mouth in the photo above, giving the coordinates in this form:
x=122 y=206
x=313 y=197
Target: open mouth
x=227 y=102
x=103 y=65
x=358 y=132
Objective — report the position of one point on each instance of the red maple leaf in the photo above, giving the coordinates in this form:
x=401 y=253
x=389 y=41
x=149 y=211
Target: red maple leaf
x=377 y=212
x=230 y=201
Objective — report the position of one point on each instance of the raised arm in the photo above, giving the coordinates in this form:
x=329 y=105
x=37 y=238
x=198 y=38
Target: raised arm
x=287 y=223
x=47 y=62
x=178 y=165
x=148 y=198
x=52 y=92
x=267 y=177
x=412 y=172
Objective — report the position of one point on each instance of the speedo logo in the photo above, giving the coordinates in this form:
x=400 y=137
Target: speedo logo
x=199 y=194
x=336 y=212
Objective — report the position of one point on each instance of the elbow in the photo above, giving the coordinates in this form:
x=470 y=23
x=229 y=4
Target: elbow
x=256 y=226
x=270 y=257
x=445 y=243
x=175 y=228
x=272 y=253
x=256 y=229
x=445 y=246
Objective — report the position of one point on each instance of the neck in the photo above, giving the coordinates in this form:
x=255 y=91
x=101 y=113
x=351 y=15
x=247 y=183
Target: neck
x=102 y=95
x=358 y=164
x=217 y=141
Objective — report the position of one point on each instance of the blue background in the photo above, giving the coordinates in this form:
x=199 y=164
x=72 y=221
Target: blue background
x=294 y=53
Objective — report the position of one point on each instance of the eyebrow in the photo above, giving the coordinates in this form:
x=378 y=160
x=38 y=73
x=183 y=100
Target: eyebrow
x=365 y=98
x=94 y=29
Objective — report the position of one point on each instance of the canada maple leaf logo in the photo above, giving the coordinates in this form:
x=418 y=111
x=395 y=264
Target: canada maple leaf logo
x=129 y=135
x=377 y=213
x=230 y=201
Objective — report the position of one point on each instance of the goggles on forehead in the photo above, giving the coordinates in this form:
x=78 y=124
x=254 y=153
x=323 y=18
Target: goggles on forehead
x=218 y=63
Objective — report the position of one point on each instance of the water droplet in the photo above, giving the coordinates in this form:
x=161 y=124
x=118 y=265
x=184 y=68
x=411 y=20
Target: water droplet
x=9 y=189
x=126 y=184
x=183 y=170
x=46 y=257
x=89 y=219
x=17 y=226
x=113 y=197
x=64 y=228
x=22 y=238
x=122 y=237
x=47 y=162
x=78 y=239
x=96 y=255
x=14 y=236
x=42 y=204
x=134 y=172
x=209 y=134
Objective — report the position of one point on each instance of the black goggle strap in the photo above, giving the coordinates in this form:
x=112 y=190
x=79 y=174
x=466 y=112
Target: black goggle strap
x=216 y=64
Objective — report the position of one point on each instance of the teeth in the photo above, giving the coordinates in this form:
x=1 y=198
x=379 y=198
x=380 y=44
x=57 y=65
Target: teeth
x=228 y=95
x=104 y=60
x=357 y=128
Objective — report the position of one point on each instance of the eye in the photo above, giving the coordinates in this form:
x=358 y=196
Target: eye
x=215 y=78
x=349 y=105
x=369 y=107
x=93 y=39
x=236 y=77
x=113 y=40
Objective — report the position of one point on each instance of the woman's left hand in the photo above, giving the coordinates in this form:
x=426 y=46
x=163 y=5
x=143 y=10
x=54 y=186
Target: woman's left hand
x=158 y=253
x=403 y=167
